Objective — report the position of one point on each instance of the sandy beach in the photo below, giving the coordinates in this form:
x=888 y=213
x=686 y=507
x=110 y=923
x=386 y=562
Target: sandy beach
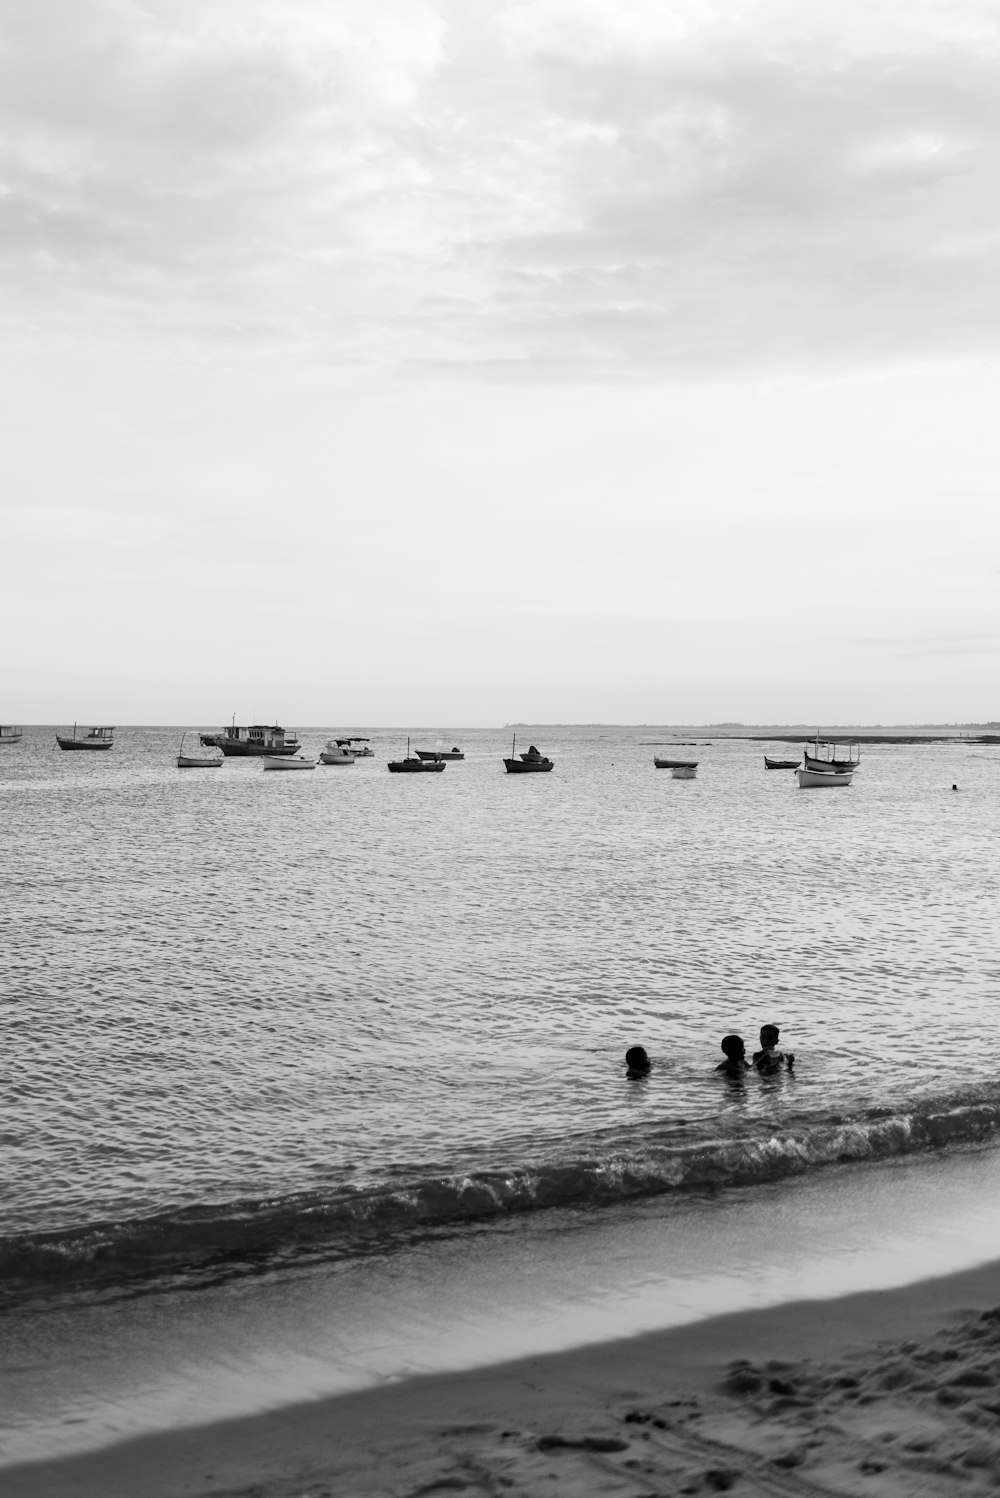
x=887 y=1392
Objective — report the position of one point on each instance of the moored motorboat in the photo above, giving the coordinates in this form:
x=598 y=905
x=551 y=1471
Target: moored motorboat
x=453 y=753
x=9 y=734
x=816 y=779
x=527 y=763
x=411 y=765
x=357 y=748
x=259 y=739
x=780 y=764
x=196 y=761
x=336 y=752
x=94 y=738
x=674 y=764
x=288 y=762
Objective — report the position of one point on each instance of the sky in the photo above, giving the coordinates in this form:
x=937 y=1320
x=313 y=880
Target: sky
x=444 y=362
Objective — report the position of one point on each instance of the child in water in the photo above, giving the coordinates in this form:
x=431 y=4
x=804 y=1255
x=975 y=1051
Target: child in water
x=736 y=1062
x=637 y=1061
x=769 y=1059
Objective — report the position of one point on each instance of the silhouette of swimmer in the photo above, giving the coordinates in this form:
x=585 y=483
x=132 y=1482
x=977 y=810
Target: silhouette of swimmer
x=734 y=1050
x=769 y=1059
x=637 y=1061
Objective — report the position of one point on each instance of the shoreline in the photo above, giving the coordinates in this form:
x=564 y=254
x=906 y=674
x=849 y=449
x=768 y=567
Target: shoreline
x=869 y=1392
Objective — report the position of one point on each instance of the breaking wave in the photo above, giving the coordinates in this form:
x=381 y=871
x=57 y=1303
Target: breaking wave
x=236 y=1235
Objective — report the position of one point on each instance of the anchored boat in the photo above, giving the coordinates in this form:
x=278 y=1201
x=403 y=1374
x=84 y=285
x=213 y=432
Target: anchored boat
x=9 y=734
x=257 y=740
x=841 y=755
x=411 y=765
x=453 y=753
x=526 y=764
x=196 y=761
x=94 y=738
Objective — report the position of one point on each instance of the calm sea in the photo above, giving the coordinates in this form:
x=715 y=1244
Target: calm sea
x=254 y=1019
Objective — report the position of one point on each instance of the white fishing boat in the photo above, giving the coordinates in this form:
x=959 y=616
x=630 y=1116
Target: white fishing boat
x=9 y=734
x=196 y=761
x=817 y=779
x=336 y=752
x=288 y=762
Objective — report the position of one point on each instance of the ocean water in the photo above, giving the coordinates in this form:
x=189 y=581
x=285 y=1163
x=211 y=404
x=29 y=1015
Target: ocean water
x=261 y=1025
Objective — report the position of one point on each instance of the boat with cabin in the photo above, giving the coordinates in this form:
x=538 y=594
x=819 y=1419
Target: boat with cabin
x=411 y=765
x=10 y=734
x=94 y=738
x=528 y=763
x=257 y=740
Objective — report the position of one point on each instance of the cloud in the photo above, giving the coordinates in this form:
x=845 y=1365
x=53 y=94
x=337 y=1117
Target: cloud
x=560 y=189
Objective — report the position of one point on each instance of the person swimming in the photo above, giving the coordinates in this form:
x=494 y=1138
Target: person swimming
x=769 y=1059
x=637 y=1061
x=736 y=1062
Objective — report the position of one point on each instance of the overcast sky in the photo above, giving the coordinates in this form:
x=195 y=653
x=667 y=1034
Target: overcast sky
x=452 y=362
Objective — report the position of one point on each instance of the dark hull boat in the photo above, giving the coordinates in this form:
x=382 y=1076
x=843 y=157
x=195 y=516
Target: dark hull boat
x=530 y=763
x=780 y=764
x=97 y=738
x=675 y=764
x=413 y=766
x=259 y=739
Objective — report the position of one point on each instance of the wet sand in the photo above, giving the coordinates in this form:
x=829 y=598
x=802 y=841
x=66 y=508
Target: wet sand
x=893 y=1393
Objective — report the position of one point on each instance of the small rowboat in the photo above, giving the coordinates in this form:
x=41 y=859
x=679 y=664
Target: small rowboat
x=816 y=779
x=675 y=764
x=780 y=764
x=453 y=753
x=287 y=762
x=196 y=761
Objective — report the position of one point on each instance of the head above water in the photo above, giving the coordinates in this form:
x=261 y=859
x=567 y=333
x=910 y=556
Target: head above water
x=733 y=1047
x=636 y=1058
x=768 y=1035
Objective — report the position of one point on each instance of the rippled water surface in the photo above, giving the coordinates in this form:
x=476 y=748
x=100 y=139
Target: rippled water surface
x=237 y=985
